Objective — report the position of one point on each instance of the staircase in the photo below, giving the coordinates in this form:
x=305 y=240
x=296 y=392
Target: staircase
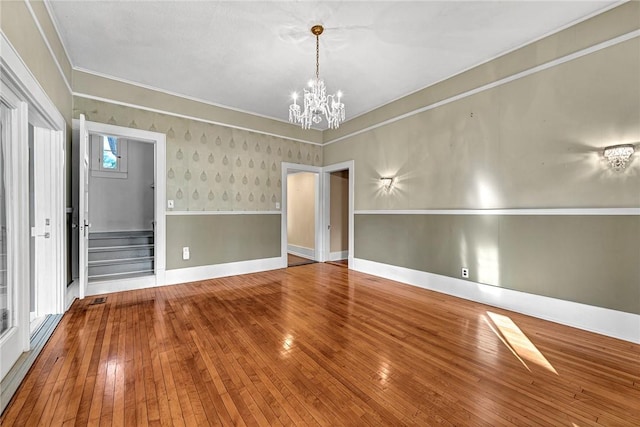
x=120 y=255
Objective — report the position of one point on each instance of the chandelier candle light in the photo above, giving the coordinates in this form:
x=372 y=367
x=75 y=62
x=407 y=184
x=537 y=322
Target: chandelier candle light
x=316 y=102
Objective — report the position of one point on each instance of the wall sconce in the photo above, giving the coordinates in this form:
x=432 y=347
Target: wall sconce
x=618 y=155
x=387 y=183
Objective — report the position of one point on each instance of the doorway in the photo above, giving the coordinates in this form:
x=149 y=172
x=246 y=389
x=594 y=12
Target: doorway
x=343 y=191
x=32 y=259
x=119 y=198
x=339 y=217
x=302 y=217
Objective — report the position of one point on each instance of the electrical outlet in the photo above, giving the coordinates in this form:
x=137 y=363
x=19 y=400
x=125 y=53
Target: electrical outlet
x=277 y=205
x=169 y=204
x=465 y=272
x=185 y=253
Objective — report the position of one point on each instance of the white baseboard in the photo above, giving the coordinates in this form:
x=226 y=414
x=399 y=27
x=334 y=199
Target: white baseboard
x=184 y=275
x=338 y=256
x=120 y=285
x=301 y=251
x=192 y=274
x=613 y=323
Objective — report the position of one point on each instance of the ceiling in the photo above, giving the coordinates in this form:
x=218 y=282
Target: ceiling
x=251 y=56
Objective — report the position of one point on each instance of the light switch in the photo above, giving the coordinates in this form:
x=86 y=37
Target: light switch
x=277 y=205
x=169 y=204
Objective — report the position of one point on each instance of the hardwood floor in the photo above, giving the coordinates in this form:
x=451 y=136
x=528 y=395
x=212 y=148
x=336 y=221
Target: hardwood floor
x=320 y=345
x=295 y=260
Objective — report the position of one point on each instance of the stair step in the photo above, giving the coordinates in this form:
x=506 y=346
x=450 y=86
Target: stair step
x=120 y=252
x=116 y=261
x=98 y=268
x=119 y=234
x=101 y=239
x=101 y=242
x=116 y=248
x=116 y=276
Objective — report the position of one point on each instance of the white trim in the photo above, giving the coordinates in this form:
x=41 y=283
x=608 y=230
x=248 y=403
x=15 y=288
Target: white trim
x=287 y=169
x=46 y=42
x=34 y=107
x=560 y=211
x=181 y=213
x=338 y=256
x=178 y=95
x=192 y=274
x=72 y=294
x=160 y=163
x=517 y=76
x=121 y=131
x=56 y=27
x=184 y=116
x=48 y=204
x=613 y=323
x=30 y=89
x=301 y=251
x=351 y=167
x=119 y=285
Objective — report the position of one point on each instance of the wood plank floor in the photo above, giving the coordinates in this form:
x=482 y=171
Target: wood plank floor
x=295 y=260
x=320 y=345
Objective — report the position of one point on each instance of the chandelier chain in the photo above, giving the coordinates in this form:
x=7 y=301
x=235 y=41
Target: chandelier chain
x=317 y=57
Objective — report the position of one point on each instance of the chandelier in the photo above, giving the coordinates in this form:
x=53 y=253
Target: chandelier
x=316 y=102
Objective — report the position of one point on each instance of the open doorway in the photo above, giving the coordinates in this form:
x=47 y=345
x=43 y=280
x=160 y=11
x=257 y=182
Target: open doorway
x=121 y=208
x=339 y=217
x=302 y=216
x=302 y=200
x=337 y=212
x=119 y=197
x=343 y=193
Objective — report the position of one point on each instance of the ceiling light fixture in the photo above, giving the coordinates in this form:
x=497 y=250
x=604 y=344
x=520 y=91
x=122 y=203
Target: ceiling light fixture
x=618 y=155
x=316 y=103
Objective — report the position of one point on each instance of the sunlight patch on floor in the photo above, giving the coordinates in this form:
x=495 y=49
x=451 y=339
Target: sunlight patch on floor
x=516 y=340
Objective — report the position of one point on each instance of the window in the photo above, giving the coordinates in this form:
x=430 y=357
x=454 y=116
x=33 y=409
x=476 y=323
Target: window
x=110 y=153
x=108 y=156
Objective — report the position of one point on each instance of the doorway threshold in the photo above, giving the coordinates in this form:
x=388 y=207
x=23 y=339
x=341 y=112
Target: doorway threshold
x=294 y=260
x=18 y=372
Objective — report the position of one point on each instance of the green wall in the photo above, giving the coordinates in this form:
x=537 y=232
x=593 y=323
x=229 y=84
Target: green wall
x=534 y=142
x=588 y=259
x=218 y=239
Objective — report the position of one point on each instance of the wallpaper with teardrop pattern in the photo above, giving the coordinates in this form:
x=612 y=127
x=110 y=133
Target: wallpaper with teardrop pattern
x=211 y=167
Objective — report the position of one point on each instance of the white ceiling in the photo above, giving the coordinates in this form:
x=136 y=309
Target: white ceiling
x=252 y=55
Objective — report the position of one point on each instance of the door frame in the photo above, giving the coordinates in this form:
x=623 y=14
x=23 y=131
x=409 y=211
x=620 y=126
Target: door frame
x=289 y=169
x=31 y=106
x=326 y=213
x=160 y=193
x=323 y=236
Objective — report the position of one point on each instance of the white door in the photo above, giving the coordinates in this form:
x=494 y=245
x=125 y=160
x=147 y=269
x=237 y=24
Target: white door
x=47 y=230
x=84 y=207
x=14 y=271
